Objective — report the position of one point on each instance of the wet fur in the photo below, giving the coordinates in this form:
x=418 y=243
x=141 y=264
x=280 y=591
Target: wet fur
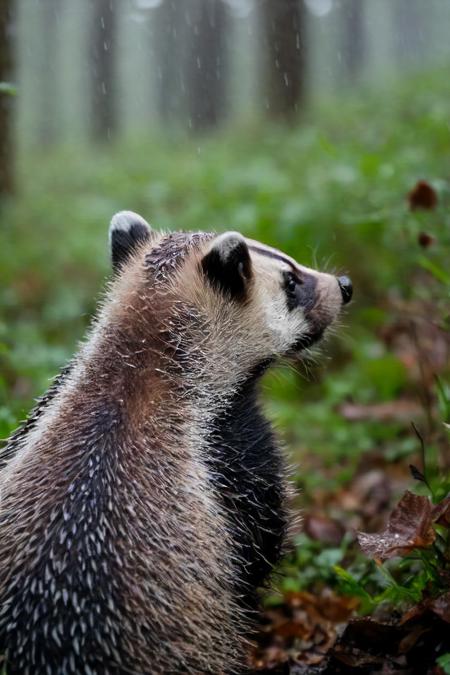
x=143 y=502
x=246 y=463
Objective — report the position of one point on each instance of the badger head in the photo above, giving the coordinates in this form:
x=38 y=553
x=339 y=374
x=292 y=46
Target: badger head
x=242 y=302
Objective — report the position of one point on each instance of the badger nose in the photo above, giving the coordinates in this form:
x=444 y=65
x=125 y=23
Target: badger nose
x=346 y=286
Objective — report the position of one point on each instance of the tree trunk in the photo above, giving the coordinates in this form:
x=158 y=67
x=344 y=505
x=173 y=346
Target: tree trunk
x=49 y=116
x=353 y=42
x=408 y=24
x=6 y=99
x=284 y=45
x=207 y=64
x=103 y=56
x=169 y=23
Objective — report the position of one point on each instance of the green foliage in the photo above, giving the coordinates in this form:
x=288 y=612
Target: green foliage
x=311 y=565
x=332 y=193
x=382 y=584
x=444 y=662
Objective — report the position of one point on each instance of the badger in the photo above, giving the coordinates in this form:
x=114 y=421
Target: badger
x=143 y=502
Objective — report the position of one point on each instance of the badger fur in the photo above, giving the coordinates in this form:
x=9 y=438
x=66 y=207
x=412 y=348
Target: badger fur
x=143 y=502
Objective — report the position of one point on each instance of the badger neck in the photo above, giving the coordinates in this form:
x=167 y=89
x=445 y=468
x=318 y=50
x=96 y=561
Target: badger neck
x=154 y=360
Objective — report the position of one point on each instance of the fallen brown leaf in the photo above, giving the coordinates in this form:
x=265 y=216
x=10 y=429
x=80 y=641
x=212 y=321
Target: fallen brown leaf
x=369 y=646
x=365 y=642
x=441 y=606
x=409 y=527
x=302 y=630
x=441 y=512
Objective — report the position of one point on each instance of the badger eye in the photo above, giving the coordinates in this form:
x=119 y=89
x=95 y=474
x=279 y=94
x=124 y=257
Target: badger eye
x=292 y=287
x=291 y=283
x=300 y=291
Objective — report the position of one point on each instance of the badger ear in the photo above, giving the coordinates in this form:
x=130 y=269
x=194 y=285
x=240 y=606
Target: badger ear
x=127 y=231
x=228 y=265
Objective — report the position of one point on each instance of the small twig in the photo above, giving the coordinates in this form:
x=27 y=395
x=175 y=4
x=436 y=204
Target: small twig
x=423 y=453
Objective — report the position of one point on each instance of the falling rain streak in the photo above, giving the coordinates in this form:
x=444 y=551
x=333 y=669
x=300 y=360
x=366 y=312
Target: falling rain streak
x=106 y=68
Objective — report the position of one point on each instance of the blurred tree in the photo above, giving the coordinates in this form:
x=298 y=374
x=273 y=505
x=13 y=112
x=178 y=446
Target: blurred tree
x=408 y=31
x=170 y=24
x=103 y=70
x=353 y=39
x=49 y=121
x=6 y=67
x=284 y=64
x=206 y=64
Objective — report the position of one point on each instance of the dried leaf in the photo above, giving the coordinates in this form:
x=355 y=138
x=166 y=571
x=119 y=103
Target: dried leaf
x=324 y=529
x=441 y=606
x=366 y=642
x=368 y=645
x=411 y=638
x=302 y=630
x=409 y=527
x=422 y=196
x=441 y=512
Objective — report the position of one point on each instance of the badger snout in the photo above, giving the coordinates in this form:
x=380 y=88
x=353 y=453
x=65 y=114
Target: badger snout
x=346 y=286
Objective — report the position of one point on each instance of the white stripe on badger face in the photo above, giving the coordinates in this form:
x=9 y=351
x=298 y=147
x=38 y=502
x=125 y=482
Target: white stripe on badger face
x=325 y=282
x=285 y=262
x=288 y=326
x=262 y=249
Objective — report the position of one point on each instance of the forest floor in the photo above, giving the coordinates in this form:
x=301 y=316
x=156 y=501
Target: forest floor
x=360 y=186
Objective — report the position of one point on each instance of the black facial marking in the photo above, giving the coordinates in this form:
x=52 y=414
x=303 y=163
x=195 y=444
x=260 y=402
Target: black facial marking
x=229 y=274
x=124 y=242
x=300 y=287
x=300 y=291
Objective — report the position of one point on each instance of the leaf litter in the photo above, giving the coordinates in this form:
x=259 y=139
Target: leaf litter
x=403 y=624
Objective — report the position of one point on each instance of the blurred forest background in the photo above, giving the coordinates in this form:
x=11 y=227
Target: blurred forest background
x=321 y=127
